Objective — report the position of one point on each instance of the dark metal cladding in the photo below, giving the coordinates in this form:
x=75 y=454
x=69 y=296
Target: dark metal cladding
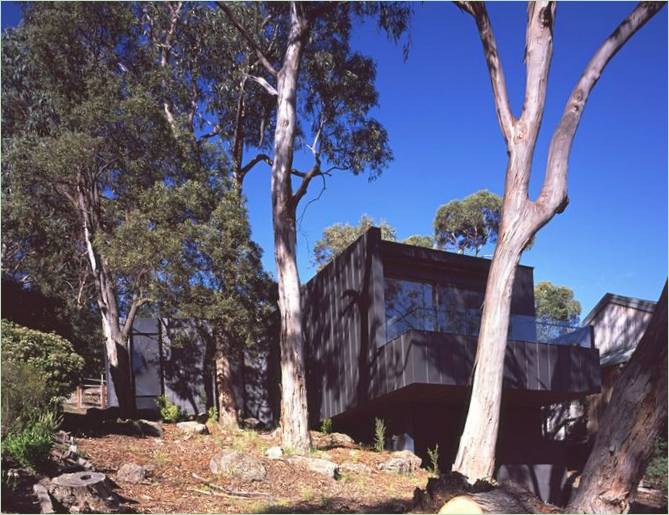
x=349 y=362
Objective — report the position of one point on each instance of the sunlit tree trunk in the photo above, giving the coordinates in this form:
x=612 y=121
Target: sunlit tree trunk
x=629 y=426
x=521 y=217
x=294 y=420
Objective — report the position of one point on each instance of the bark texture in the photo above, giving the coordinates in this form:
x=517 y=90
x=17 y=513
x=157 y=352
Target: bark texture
x=630 y=424
x=521 y=217
x=227 y=401
x=294 y=420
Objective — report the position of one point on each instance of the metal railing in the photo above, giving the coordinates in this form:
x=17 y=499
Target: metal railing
x=467 y=323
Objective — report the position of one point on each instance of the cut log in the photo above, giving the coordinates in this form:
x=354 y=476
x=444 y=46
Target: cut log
x=84 y=492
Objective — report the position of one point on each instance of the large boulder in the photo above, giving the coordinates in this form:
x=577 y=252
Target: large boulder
x=131 y=473
x=317 y=465
x=192 y=428
x=237 y=464
x=402 y=462
x=332 y=440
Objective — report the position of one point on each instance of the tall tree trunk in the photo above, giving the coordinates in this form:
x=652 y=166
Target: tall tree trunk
x=521 y=217
x=481 y=426
x=116 y=338
x=630 y=424
x=294 y=419
x=227 y=401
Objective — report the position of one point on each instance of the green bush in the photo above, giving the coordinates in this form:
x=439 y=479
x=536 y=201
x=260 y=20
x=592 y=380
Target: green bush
x=24 y=395
x=326 y=425
x=31 y=445
x=212 y=414
x=433 y=455
x=379 y=434
x=169 y=412
x=50 y=355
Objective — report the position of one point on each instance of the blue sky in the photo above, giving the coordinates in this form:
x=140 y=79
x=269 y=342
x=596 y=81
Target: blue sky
x=439 y=112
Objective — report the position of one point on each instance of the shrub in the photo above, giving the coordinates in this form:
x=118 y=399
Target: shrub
x=24 y=395
x=433 y=455
x=31 y=446
x=379 y=434
x=169 y=412
x=212 y=414
x=326 y=425
x=50 y=355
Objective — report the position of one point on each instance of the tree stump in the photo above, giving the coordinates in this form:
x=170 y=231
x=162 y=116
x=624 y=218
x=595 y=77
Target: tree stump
x=84 y=492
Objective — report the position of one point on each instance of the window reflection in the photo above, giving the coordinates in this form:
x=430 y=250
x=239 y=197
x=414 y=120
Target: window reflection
x=409 y=305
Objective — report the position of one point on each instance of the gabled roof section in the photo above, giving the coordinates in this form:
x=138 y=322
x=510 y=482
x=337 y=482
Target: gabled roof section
x=621 y=300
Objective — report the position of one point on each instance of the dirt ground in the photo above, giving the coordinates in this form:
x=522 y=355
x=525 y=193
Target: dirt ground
x=174 y=459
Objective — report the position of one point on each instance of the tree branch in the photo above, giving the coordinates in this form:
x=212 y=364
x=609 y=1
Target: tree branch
x=553 y=196
x=538 y=54
x=137 y=302
x=254 y=46
x=266 y=85
x=304 y=185
x=504 y=116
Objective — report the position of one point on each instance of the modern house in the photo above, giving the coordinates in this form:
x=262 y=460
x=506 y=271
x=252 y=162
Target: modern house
x=391 y=332
x=618 y=323
x=174 y=358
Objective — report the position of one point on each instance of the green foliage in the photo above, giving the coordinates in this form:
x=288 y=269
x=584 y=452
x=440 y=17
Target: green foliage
x=470 y=223
x=555 y=303
x=326 y=425
x=338 y=237
x=50 y=356
x=212 y=414
x=656 y=471
x=24 y=393
x=169 y=412
x=31 y=445
x=433 y=456
x=420 y=240
x=379 y=434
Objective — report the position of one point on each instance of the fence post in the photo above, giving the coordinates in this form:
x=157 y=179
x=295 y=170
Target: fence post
x=80 y=395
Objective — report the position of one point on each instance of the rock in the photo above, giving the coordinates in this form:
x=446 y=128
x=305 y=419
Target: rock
x=402 y=462
x=192 y=428
x=274 y=453
x=149 y=428
x=357 y=468
x=317 y=465
x=237 y=464
x=461 y=504
x=84 y=492
x=331 y=440
x=131 y=473
x=251 y=423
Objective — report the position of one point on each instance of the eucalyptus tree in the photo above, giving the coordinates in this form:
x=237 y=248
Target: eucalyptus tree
x=321 y=94
x=337 y=237
x=124 y=186
x=555 y=303
x=522 y=217
x=468 y=224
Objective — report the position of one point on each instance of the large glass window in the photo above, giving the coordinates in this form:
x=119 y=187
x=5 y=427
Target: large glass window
x=409 y=305
x=458 y=310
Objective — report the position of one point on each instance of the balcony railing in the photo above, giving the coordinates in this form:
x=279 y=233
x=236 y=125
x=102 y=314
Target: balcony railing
x=467 y=323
